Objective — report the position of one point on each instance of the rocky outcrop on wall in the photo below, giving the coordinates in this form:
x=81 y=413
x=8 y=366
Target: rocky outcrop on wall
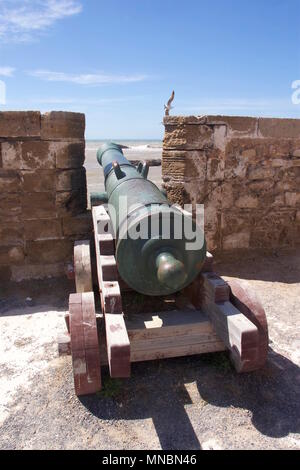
x=42 y=192
x=246 y=172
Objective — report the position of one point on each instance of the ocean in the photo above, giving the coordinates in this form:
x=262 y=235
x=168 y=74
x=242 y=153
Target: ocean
x=136 y=150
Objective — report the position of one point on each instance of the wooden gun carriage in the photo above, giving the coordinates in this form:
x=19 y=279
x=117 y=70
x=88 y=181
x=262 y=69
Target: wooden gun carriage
x=209 y=315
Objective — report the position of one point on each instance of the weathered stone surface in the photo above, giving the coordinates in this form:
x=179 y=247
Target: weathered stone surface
x=62 y=125
x=188 y=137
x=176 y=193
x=71 y=202
x=236 y=240
x=11 y=153
x=11 y=254
x=42 y=229
x=5 y=273
x=292 y=199
x=247 y=202
x=81 y=224
x=11 y=233
x=67 y=180
x=27 y=155
x=295 y=148
x=17 y=124
x=235 y=124
x=258 y=172
x=279 y=128
x=39 y=180
x=10 y=207
x=10 y=181
x=185 y=164
x=182 y=120
x=273 y=228
x=49 y=251
x=249 y=179
x=36 y=271
x=38 y=205
x=42 y=181
x=69 y=155
x=37 y=155
x=215 y=165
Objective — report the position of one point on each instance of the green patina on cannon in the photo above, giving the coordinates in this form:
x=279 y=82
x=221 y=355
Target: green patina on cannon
x=209 y=315
x=151 y=235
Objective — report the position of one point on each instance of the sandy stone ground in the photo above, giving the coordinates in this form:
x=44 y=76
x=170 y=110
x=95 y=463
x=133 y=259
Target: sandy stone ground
x=187 y=403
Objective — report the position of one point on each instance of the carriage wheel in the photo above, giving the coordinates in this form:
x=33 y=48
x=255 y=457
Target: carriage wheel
x=244 y=298
x=84 y=344
x=82 y=265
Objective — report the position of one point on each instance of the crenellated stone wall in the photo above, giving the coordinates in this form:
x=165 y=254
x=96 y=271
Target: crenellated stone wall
x=43 y=201
x=245 y=170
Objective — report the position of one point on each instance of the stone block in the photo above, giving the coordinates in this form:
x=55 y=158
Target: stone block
x=38 y=205
x=27 y=155
x=69 y=154
x=11 y=254
x=181 y=165
x=295 y=148
x=49 y=251
x=227 y=195
x=236 y=241
x=183 y=120
x=43 y=229
x=273 y=228
x=292 y=199
x=176 y=193
x=39 y=180
x=62 y=125
x=236 y=125
x=11 y=233
x=81 y=224
x=215 y=165
x=10 y=207
x=5 y=273
x=10 y=181
x=212 y=238
x=258 y=172
x=68 y=180
x=281 y=163
x=71 y=202
x=18 y=124
x=247 y=202
x=279 y=128
x=188 y=137
x=11 y=155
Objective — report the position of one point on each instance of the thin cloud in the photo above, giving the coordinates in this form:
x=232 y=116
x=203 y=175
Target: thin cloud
x=6 y=71
x=86 y=79
x=20 y=20
x=76 y=101
x=215 y=106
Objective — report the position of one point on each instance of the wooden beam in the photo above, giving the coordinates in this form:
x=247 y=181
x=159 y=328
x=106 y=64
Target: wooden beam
x=118 y=344
x=84 y=344
x=237 y=332
x=82 y=266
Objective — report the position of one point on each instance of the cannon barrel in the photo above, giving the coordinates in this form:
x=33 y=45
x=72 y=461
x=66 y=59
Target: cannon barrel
x=151 y=252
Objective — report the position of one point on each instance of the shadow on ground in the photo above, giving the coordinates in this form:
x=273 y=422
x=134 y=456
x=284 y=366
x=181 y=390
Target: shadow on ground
x=15 y=297
x=281 y=266
x=158 y=390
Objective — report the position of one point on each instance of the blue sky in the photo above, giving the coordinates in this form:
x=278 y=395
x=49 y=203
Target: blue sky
x=118 y=60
